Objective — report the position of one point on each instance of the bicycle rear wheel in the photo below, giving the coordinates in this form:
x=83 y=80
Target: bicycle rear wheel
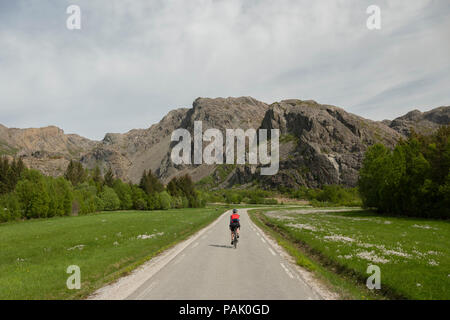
x=235 y=239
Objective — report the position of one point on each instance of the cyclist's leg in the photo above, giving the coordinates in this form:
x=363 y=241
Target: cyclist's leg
x=231 y=229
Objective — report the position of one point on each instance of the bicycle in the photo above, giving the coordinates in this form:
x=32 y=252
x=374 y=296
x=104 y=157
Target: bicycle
x=235 y=238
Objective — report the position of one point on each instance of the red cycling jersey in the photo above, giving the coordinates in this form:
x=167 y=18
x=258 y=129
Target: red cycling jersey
x=234 y=217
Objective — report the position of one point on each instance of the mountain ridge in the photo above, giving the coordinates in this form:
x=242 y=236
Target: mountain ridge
x=319 y=144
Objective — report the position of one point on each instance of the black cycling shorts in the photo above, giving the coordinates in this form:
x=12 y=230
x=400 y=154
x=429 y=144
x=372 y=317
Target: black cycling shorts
x=234 y=225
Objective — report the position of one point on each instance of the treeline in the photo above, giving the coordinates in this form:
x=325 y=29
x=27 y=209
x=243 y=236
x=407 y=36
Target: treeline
x=26 y=194
x=328 y=195
x=236 y=196
x=412 y=180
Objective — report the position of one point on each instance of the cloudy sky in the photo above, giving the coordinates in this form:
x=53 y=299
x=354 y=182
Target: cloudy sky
x=133 y=61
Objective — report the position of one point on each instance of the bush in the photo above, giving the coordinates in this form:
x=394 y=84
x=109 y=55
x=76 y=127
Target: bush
x=9 y=207
x=33 y=196
x=154 y=202
x=86 y=199
x=139 y=197
x=165 y=200
x=124 y=193
x=140 y=204
x=110 y=199
x=61 y=196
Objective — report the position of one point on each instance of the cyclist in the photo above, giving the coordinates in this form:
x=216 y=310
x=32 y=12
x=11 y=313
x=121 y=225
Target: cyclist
x=234 y=224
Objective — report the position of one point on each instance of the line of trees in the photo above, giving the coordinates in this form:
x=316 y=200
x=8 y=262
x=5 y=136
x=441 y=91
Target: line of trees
x=328 y=195
x=237 y=196
x=413 y=179
x=26 y=194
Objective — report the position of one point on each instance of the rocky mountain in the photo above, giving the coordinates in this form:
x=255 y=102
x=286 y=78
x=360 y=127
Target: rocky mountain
x=47 y=149
x=319 y=144
x=421 y=122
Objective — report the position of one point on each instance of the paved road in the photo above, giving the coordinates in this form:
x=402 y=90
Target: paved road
x=210 y=268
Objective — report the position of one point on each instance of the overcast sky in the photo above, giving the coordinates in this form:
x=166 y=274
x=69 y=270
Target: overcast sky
x=134 y=60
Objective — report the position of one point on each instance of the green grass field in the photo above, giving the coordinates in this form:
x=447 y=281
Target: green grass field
x=413 y=254
x=35 y=254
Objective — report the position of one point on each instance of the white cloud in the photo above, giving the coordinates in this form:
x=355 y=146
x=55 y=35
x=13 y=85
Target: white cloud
x=133 y=61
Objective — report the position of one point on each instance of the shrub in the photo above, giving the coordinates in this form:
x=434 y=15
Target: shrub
x=110 y=199
x=124 y=193
x=33 y=196
x=165 y=200
x=9 y=207
x=140 y=204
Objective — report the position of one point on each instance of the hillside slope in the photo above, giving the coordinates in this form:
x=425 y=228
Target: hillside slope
x=319 y=144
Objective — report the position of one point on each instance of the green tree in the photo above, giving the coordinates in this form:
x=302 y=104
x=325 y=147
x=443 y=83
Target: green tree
x=109 y=178
x=110 y=199
x=139 y=198
x=97 y=178
x=410 y=180
x=150 y=183
x=75 y=173
x=9 y=207
x=165 y=200
x=33 y=196
x=60 y=195
x=124 y=192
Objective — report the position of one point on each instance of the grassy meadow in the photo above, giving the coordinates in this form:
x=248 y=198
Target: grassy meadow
x=413 y=253
x=35 y=254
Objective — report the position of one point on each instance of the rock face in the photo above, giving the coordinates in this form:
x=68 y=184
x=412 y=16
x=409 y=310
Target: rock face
x=319 y=144
x=46 y=149
x=324 y=144
x=421 y=122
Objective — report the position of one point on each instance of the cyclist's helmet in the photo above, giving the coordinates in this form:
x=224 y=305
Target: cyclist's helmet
x=234 y=210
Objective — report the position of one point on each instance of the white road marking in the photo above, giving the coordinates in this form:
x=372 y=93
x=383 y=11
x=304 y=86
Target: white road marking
x=257 y=234
x=272 y=252
x=287 y=271
x=262 y=239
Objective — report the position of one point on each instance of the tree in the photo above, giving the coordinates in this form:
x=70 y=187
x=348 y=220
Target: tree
x=96 y=176
x=150 y=183
x=109 y=178
x=165 y=200
x=10 y=174
x=86 y=199
x=184 y=187
x=75 y=173
x=124 y=193
x=410 y=180
x=110 y=199
x=9 y=207
x=60 y=195
x=33 y=196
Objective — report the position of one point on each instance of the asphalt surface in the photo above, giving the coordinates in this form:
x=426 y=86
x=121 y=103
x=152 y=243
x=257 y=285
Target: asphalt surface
x=210 y=268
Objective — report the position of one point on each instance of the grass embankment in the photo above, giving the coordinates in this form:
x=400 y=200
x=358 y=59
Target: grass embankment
x=413 y=254
x=34 y=255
